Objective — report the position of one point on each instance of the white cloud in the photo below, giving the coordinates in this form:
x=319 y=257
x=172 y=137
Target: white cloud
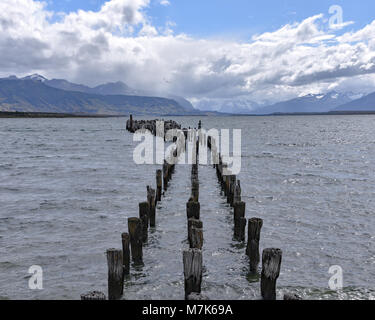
x=118 y=42
x=165 y=2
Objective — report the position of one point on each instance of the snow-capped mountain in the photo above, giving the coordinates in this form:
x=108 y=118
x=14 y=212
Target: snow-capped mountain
x=309 y=103
x=35 y=77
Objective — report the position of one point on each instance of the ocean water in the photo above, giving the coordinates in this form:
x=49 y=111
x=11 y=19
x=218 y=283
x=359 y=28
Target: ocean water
x=67 y=187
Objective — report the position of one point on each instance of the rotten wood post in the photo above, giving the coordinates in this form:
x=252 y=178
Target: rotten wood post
x=195 y=190
x=115 y=274
x=192 y=260
x=196 y=237
x=271 y=264
x=237 y=192
x=159 y=185
x=193 y=223
x=193 y=209
x=136 y=244
x=126 y=252
x=239 y=221
x=253 y=239
x=93 y=295
x=151 y=202
x=144 y=209
x=165 y=175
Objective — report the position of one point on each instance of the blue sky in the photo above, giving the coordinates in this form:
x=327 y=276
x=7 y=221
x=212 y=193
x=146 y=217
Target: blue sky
x=237 y=19
x=205 y=50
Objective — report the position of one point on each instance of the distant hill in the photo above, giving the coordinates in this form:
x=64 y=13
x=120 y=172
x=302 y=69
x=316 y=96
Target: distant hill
x=308 y=103
x=366 y=103
x=32 y=94
x=114 y=88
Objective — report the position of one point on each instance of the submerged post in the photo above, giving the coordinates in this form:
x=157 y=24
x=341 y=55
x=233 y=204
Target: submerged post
x=135 y=232
x=192 y=259
x=115 y=274
x=271 y=264
x=253 y=238
x=126 y=252
x=93 y=295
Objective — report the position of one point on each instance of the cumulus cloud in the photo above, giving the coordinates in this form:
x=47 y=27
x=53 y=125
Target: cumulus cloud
x=119 y=42
x=165 y=3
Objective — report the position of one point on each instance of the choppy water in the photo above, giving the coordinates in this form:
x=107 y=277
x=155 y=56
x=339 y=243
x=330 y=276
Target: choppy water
x=67 y=187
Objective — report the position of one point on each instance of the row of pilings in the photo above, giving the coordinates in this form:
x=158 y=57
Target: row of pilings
x=271 y=257
x=133 y=241
x=119 y=260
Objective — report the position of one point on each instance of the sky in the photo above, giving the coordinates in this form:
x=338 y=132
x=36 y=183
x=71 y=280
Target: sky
x=211 y=50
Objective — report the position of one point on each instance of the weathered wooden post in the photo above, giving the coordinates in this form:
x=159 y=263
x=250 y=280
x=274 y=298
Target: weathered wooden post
x=135 y=232
x=195 y=190
x=115 y=274
x=143 y=215
x=196 y=237
x=126 y=252
x=93 y=295
x=151 y=203
x=231 y=181
x=237 y=192
x=271 y=264
x=193 y=209
x=165 y=175
x=159 y=185
x=193 y=223
x=253 y=239
x=192 y=259
x=239 y=221
x=131 y=123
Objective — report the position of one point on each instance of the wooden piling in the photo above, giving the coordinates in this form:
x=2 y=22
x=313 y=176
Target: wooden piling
x=193 y=223
x=196 y=237
x=144 y=209
x=195 y=190
x=253 y=239
x=193 y=209
x=126 y=252
x=115 y=274
x=136 y=243
x=237 y=192
x=93 y=295
x=165 y=175
x=271 y=264
x=192 y=260
x=159 y=185
x=151 y=202
x=239 y=223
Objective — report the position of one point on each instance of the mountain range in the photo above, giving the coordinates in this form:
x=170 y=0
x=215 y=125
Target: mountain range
x=307 y=104
x=311 y=103
x=35 y=93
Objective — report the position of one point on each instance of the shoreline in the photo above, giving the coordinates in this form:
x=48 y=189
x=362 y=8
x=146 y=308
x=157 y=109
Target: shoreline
x=17 y=114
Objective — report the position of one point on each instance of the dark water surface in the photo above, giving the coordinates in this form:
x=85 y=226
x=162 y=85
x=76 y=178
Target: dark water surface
x=67 y=187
